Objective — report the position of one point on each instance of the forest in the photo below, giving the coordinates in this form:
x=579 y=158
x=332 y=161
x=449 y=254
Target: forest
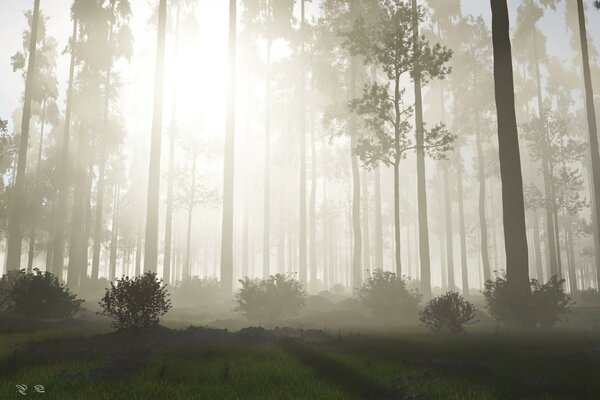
x=300 y=199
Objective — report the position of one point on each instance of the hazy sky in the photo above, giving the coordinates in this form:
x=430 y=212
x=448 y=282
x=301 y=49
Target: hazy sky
x=212 y=17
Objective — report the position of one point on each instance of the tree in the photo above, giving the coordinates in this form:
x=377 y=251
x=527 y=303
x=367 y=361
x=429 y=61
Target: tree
x=13 y=252
x=45 y=109
x=58 y=245
x=592 y=124
x=515 y=237
x=151 y=242
x=389 y=43
x=228 y=172
x=119 y=45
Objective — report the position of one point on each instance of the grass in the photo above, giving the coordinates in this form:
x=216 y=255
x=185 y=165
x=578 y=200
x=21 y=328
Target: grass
x=410 y=364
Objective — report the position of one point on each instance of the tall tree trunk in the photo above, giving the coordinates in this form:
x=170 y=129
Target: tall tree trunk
x=228 y=172
x=548 y=178
x=37 y=211
x=592 y=125
x=462 y=231
x=449 y=241
x=15 y=237
x=151 y=242
x=267 y=188
x=171 y=176
x=138 y=246
x=570 y=259
x=421 y=183
x=397 y=243
x=378 y=221
x=58 y=258
x=515 y=237
x=365 y=220
x=302 y=267
x=485 y=257
x=192 y=200
x=313 y=208
x=245 y=248
x=537 y=248
x=114 y=236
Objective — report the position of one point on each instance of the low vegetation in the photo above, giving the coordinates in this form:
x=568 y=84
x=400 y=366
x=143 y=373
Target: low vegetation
x=547 y=305
x=37 y=295
x=136 y=303
x=449 y=312
x=387 y=297
x=274 y=298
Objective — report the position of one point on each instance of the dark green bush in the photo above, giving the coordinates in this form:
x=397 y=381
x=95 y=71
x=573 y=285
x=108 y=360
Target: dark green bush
x=276 y=297
x=37 y=295
x=448 y=312
x=547 y=304
x=136 y=303
x=387 y=297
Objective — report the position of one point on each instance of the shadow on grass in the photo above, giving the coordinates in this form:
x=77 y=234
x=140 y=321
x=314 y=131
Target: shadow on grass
x=339 y=374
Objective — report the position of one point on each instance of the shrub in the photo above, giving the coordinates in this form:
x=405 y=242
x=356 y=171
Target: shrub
x=276 y=297
x=449 y=312
x=195 y=291
x=547 y=305
x=591 y=296
x=136 y=303
x=38 y=295
x=338 y=289
x=386 y=296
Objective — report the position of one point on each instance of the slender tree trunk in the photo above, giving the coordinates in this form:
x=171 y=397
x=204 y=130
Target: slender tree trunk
x=485 y=258
x=449 y=241
x=378 y=221
x=548 y=178
x=58 y=258
x=228 y=172
x=365 y=221
x=245 y=241
x=397 y=248
x=138 y=246
x=537 y=248
x=267 y=192
x=151 y=242
x=462 y=230
x=38 y=202
x=571 y=259
x=192 y=200
x=302 y=267
x=515 y=238
x=592 y=125
x=421 y=182
x=171 y=176
x=15 y=237
x=313 y=208
x=114 y=235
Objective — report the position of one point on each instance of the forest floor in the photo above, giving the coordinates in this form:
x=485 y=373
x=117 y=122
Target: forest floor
x=84 y=359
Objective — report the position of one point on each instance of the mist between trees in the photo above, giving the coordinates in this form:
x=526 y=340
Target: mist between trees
x=327 y=139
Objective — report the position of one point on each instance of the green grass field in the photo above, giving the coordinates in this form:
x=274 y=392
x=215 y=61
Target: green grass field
x=408 y=363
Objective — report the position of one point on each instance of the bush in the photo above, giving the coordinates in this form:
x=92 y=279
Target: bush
x=449 y=312
x=591 y=296
x=338 y=289
x=195 y=291
x=387 y=296
x=547 y=305
x=136 y=303
x=276 y=297
x=37 y=295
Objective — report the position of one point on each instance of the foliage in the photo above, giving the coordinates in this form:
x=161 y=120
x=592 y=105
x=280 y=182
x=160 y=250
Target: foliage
x=386 y=296
x=338 y=289
x=276 y=297
x=136 y=303
x=449 y=312
x=590 y=296
x=37 y=295
x=547 y=304
x=195 y=291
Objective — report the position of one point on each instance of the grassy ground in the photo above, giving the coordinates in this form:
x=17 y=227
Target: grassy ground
x=407 y=364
